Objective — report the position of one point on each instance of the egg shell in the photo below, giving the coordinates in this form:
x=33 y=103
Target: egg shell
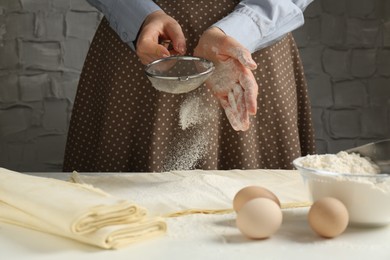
x=252 y=192
x=259 y=218
x=328 y=217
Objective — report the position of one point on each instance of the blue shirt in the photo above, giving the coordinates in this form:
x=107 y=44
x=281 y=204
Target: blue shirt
x=254 y=23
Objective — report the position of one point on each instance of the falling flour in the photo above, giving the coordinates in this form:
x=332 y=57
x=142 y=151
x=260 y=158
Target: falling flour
x=190 y=144
x=191 y=112
x=186 y=150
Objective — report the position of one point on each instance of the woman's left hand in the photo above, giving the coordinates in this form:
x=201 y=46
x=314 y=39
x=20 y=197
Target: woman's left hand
x=232 y=82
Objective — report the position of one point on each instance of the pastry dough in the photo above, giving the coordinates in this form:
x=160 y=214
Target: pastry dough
x=289 y=205
x=180 y=193
x=77 y=211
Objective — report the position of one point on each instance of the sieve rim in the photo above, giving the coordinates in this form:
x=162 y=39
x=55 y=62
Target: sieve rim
x=181 y=78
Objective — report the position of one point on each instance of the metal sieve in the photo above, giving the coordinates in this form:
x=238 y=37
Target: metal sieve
x=179 y=74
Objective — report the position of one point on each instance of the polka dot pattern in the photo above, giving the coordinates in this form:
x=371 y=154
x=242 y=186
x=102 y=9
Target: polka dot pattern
x=121 y=123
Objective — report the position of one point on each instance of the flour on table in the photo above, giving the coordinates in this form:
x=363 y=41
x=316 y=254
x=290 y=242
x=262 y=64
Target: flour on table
x=341 y=162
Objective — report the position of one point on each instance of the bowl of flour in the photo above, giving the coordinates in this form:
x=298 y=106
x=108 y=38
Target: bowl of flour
x=354 y=180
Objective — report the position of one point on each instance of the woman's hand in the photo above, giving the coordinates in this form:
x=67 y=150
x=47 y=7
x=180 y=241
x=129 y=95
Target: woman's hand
x=159 y=26
x=232 y=82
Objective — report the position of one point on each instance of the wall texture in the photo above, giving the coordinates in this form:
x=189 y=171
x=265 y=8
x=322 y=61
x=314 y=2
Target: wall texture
x=345 y=47
x=43 y=44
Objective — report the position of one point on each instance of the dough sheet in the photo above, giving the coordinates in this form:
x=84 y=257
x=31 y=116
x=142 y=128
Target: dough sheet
x=77 y=211
x=178 y=193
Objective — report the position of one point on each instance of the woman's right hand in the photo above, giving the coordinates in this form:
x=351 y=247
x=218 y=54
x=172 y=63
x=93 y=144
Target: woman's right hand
x=156 y=27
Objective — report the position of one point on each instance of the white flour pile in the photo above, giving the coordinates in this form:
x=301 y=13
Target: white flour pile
x=341 y=162
x=366 y=197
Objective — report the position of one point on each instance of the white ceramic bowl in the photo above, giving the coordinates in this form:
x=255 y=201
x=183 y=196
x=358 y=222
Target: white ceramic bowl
x=367 y=197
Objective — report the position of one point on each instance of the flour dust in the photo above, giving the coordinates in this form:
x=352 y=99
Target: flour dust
x=190 y=144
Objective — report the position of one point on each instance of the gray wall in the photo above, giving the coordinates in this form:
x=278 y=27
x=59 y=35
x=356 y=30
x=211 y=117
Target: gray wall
x=345 y=48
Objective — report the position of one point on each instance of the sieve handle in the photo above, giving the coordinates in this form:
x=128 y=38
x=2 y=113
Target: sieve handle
x=184 y=78
x=167 y=44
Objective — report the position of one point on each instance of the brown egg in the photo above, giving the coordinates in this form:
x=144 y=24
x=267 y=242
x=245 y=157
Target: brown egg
x=259 y=218
x=252 y=192
x=328 y=217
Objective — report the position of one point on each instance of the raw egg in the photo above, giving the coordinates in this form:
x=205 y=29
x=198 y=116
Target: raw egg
x=328 y=217
x=259 y=218
x=252 y=192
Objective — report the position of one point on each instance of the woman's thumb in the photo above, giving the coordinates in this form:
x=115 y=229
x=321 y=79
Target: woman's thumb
x=243 y=56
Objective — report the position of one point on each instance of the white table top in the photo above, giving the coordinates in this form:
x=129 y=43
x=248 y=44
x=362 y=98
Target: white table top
x=206 y=237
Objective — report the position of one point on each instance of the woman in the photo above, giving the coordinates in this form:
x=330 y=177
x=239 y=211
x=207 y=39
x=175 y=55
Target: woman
x=254 y=112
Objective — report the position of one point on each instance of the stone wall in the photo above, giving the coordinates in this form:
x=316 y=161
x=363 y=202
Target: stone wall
x=345 y=47
x=43 y=44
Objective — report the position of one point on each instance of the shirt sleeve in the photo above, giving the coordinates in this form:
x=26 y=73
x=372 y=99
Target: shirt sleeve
x=257 y=24
x=126 y=16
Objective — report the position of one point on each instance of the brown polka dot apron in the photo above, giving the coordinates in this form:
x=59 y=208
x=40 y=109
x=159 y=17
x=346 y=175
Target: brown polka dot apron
x=121 y=123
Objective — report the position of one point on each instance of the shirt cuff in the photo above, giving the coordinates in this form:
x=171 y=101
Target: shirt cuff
x=256 y=33
x=126 y=19
x=232 y=25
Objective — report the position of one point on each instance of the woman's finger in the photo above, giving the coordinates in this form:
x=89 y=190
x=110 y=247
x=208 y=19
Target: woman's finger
x=233 y=116
x=230 y=115
x=149 y=51
x=234 y=49
x=175 y=34
x=249 y=84
x=232 y=101
x=241 y=106
x=245 y=58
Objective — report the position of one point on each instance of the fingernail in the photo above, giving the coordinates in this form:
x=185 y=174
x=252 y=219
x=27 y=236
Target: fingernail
x=181 y=48
x=251 y=62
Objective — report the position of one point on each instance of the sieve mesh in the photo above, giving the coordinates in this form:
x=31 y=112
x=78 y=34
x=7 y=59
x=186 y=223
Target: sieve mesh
x=178 y=74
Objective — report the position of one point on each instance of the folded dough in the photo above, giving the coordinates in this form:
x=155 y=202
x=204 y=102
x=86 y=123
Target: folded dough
x=109 y=237
x=77 y=211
